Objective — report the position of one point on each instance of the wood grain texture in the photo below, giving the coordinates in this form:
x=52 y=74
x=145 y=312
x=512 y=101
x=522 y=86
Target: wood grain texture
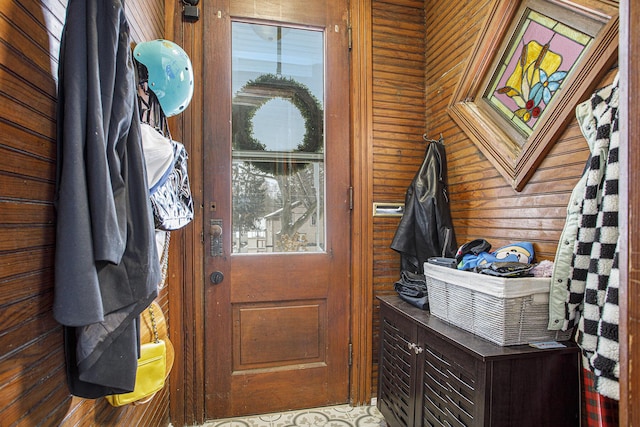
x=398 y=123
x=483 y=204
x=629 y=200
x=186 y=287
x=33 y=389
x=411 y=39
x=361 y=147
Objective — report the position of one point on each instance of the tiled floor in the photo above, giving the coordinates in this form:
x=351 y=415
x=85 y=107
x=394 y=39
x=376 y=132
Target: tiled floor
x=332 y=416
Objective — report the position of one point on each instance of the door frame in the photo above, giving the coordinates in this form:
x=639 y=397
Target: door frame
x=187 y=282
x=362 y=212
x=629 y=68
x=185 y=279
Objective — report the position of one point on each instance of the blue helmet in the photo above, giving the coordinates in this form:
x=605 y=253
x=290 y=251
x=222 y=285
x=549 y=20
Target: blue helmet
x=170 y=74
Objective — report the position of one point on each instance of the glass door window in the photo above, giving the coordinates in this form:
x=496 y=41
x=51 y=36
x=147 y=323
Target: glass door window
x=278 y=146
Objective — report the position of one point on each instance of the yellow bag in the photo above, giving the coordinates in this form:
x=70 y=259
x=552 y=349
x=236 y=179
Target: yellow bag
x=151 y=372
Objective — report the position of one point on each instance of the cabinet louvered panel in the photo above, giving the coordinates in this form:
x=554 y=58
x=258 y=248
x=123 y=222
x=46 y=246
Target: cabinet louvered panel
x=449 y=389
x=435 y=389
x=456 y=379
x=396 y=369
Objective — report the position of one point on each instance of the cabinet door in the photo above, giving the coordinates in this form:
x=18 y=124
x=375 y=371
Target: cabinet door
x=397 y=369
x=533 y=391
x=452 y=384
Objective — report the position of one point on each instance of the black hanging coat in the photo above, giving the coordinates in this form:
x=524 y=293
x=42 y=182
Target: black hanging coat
x=423 y=229
x=106 y=265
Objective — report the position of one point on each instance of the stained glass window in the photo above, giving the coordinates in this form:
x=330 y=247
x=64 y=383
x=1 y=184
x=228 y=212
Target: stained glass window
x=534 y=68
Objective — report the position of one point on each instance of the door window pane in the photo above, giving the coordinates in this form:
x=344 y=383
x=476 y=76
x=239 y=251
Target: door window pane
x=277 y=139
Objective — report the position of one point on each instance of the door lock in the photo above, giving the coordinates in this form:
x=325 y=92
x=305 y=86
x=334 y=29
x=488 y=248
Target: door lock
x=216 y=277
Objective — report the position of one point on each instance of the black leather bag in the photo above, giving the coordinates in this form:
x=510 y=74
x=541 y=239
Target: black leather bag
x=171 y=196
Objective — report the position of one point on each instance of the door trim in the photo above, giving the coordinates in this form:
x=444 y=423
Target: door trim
x=185 y=280
x=362 y=215
x=629 y=219
x=187 y=290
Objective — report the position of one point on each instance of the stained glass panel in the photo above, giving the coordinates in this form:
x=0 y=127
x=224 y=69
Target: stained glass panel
x=533 y=70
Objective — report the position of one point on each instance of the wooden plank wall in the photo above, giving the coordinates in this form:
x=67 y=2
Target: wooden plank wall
x=483 y=204
x=33 y=388
x=398 y=42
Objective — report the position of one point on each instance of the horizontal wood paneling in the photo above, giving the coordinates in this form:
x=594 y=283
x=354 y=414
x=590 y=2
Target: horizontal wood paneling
x=483 y=204
x=33 y=389
x=398 y=29
x=32 y=379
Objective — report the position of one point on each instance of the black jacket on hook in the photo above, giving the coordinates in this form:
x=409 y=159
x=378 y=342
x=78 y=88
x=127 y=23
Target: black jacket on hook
x=106 y=264
x=426 y=223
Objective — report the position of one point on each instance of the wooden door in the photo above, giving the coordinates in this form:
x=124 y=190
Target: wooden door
x=277 y=214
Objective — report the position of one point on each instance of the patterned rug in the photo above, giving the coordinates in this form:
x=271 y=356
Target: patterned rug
x=332 y=416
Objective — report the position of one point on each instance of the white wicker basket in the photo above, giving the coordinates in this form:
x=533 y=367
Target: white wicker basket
x=506 y=311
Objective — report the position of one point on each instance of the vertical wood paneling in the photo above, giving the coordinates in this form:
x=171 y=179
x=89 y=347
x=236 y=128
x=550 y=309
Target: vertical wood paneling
x=187 y=256
x=33 y=389
x=630 y=220
x=398 y=73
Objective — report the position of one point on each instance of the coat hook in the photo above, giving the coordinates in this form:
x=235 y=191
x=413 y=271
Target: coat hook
x=441 y=140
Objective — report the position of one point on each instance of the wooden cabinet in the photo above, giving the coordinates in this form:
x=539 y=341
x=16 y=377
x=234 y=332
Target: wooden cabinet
x=435 y=374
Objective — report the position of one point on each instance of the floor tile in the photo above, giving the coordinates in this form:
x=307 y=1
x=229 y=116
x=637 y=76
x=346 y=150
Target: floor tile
x=331 y=416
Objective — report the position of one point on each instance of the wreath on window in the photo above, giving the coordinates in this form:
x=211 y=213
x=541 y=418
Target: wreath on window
x=258 y=92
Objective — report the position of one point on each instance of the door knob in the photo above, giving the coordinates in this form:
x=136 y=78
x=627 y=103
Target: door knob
x=416 y=349
x=215 y=233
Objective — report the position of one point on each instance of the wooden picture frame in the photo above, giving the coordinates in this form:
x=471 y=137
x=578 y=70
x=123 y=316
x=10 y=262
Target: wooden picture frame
x=516 y=144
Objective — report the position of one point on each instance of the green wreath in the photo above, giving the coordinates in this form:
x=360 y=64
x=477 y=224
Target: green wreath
x=258 y=92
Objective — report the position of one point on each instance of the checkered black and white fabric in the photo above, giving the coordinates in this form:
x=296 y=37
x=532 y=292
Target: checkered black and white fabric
x=593 y=287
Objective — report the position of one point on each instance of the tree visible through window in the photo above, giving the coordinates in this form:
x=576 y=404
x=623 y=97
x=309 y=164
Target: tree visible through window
x=277 y=139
